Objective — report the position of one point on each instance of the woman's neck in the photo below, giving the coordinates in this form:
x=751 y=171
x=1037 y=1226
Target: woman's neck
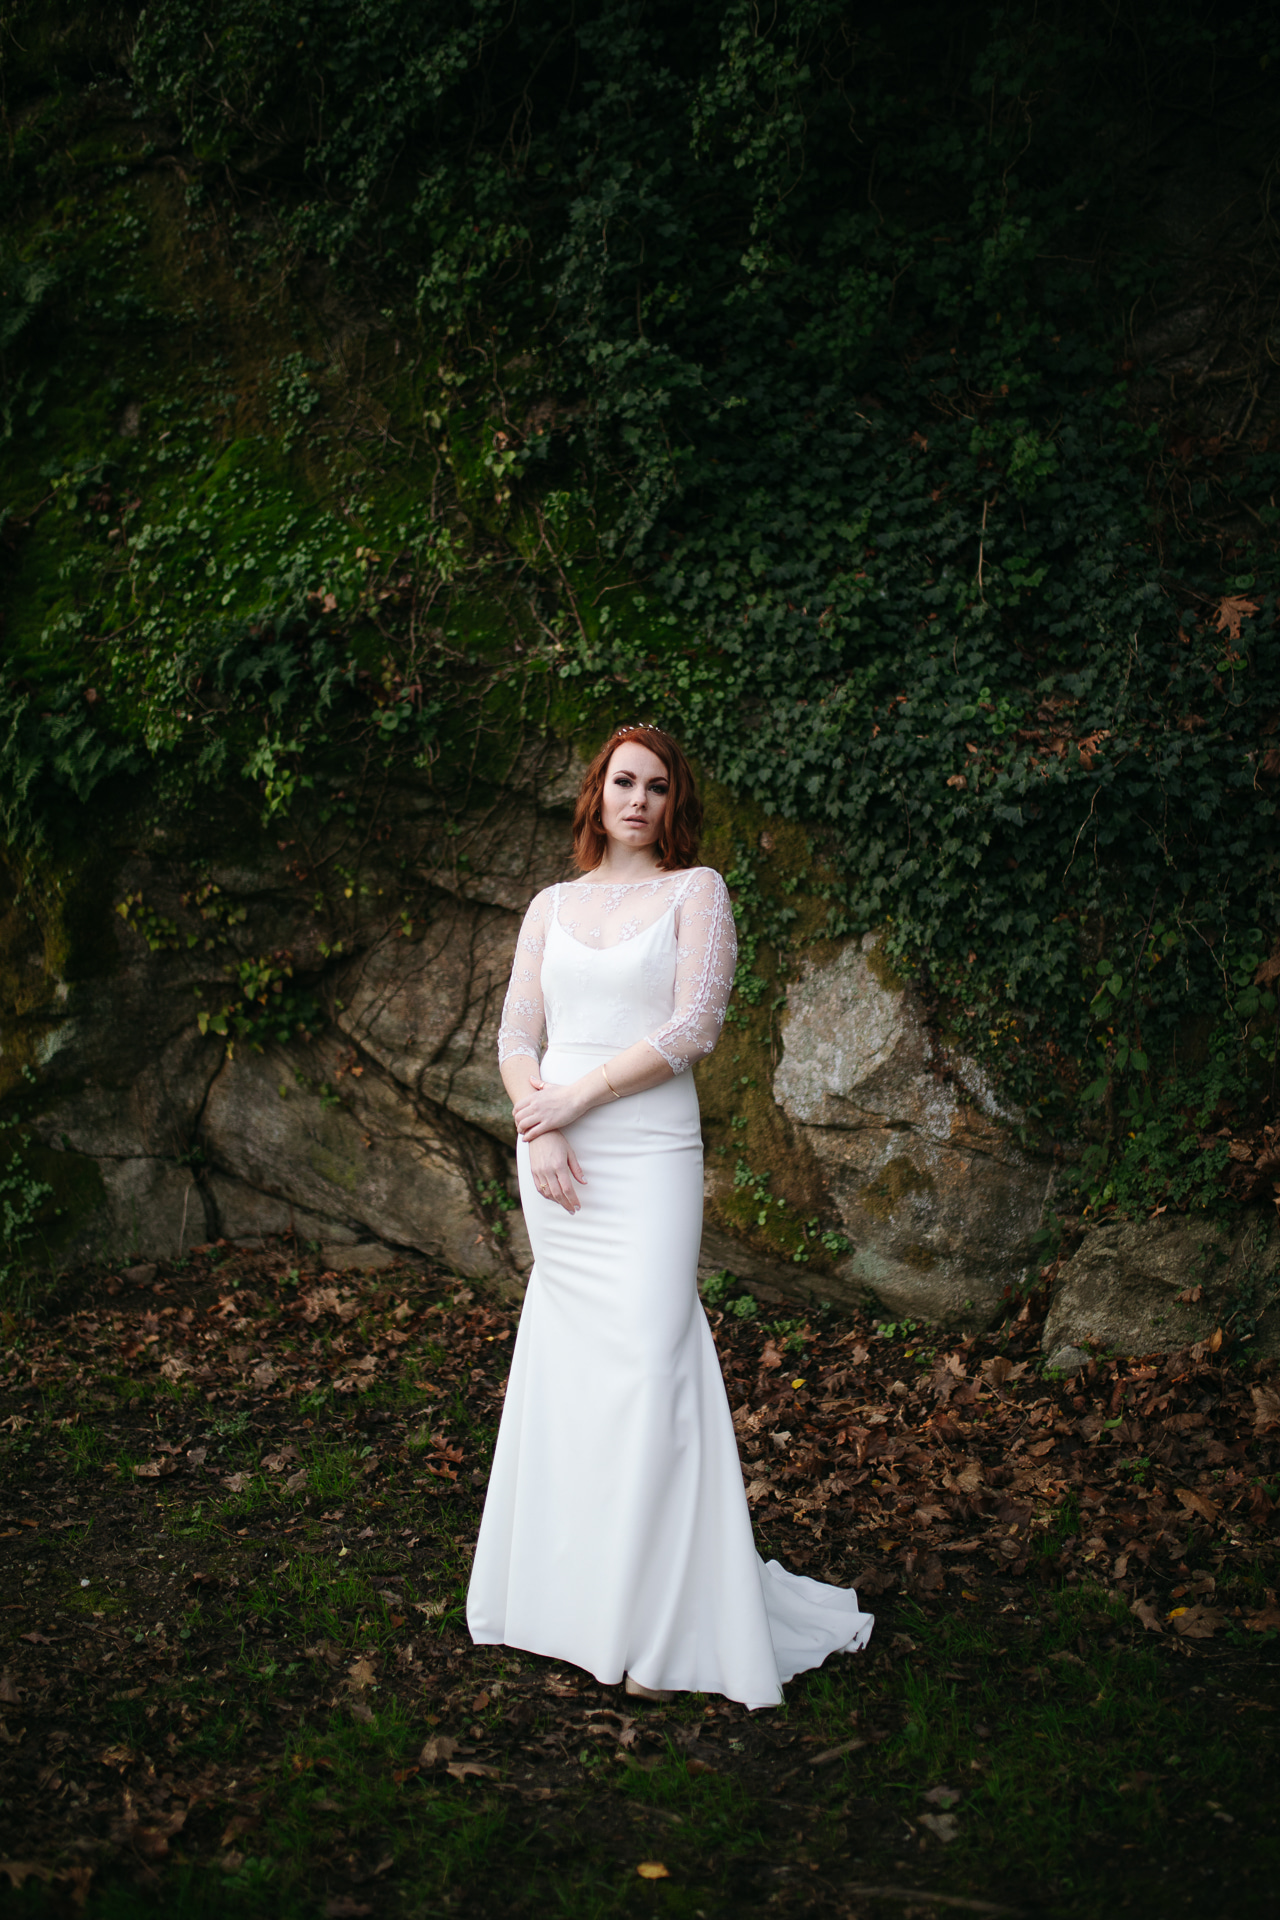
x=622 y=864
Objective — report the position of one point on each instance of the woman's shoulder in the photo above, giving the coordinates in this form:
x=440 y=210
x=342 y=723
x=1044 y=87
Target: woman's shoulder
x=704 y=882
x=541 y=902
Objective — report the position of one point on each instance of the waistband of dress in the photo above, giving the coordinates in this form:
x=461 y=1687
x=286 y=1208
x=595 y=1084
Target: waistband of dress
x=588 y=1049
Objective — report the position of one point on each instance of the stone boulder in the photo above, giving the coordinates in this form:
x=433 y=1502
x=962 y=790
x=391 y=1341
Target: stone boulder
x=357 y=1159
x=920 y=1160
x=1150 y=1286
x=388 y=1128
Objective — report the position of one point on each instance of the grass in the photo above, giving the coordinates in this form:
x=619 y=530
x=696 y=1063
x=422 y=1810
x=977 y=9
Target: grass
x=270 y=1663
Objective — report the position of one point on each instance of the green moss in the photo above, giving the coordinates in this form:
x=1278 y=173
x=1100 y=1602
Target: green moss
x=766 y=1184
x=338 y=1171
x=880 y=966
x=94 y=1601
x=895 y=1182
x=76 y=1195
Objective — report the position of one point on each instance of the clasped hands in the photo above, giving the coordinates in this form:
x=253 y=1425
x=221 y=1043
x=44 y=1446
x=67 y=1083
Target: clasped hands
x=540 y=1117
x=547 y=1109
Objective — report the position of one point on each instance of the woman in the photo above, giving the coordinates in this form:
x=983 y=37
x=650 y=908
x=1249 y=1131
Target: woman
x=616 y=1534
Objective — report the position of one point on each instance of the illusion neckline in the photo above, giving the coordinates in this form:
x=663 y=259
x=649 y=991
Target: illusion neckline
x=671 y=873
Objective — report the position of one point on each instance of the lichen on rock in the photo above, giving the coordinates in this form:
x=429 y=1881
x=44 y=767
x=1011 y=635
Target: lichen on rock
x=935 y=1194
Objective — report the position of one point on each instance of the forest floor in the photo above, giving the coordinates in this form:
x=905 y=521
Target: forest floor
x=237 y=1506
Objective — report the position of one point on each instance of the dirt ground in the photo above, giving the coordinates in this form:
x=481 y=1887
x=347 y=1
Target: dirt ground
x=237 y=1505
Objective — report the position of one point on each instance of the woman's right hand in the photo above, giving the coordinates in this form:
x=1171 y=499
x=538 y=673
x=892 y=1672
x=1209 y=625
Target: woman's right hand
x=554 y=1166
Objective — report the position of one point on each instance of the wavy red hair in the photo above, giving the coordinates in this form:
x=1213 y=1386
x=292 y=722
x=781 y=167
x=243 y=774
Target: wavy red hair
x=681 y=826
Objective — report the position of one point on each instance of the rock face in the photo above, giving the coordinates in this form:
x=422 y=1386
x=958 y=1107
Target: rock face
x=387 y=1127
x=384 y=1130
x=936 y=1196
x=1123 y=1287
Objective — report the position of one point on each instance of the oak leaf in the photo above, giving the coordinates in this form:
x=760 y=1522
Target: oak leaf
x=1233 y=610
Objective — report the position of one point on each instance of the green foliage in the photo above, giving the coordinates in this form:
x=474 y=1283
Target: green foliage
x=22 y=1208
x=769 y=378
x=895 y=1329
x=497 y=1201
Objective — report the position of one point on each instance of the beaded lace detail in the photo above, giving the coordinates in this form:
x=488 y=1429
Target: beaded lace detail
x=599 y=915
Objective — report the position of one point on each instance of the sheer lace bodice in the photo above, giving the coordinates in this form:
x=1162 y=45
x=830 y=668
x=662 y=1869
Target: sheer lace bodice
x=677 y=989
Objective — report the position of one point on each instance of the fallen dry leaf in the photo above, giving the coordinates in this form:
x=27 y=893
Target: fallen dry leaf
x=943 y=1826
x=18 y=1871
x=1196 y=1503
x=439 y=1748
x=1144 y=1611
x=1266 y=1408
x=1196 y=1623
x=652 y=1870
x=465 y=1769
x=9 y=1694
x=1233 y=610
x=836 y=1753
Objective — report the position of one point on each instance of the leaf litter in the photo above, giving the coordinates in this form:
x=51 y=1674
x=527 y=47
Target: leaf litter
x=208 y=1448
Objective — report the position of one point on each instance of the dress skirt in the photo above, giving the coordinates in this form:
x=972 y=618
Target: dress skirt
x=616 y=1534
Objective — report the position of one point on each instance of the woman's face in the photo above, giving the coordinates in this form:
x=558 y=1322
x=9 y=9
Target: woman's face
x=634 y=797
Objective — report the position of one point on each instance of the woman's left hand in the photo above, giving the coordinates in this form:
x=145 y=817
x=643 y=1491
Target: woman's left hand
x=546 y=1109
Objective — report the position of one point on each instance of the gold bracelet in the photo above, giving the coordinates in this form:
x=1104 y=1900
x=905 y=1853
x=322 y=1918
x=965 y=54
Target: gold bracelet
x=608 y=1082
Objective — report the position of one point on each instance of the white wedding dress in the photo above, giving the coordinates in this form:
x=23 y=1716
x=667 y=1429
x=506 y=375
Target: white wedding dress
x=616 y=1534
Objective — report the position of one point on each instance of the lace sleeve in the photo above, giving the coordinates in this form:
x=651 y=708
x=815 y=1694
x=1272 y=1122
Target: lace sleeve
x=520 y=1031
x=706 y=954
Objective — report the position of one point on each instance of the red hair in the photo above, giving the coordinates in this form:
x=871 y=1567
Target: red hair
x=681 y=824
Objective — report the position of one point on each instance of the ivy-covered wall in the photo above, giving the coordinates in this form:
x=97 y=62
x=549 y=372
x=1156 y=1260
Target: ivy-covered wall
x=882 y=398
